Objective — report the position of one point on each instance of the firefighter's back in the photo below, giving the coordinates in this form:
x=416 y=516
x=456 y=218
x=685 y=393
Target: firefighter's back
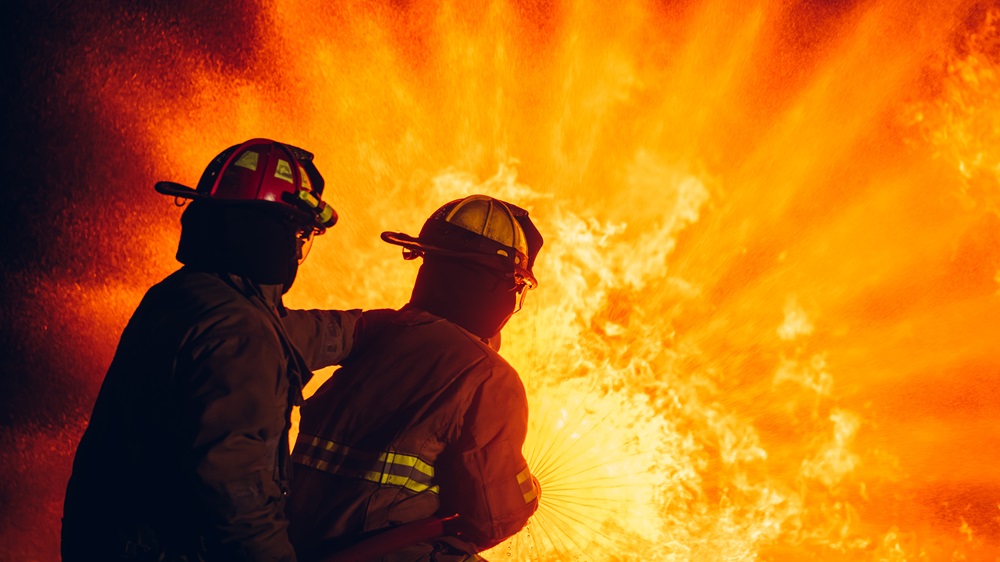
x=131 y=493
x=370 y=438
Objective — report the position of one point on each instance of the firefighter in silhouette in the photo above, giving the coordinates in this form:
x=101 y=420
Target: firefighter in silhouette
x=427 y=420
x=186 y=455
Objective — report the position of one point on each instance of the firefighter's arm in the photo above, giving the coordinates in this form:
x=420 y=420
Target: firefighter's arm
x=327 y=337
x=486 y=480
x=323 y=337
x=235 y=413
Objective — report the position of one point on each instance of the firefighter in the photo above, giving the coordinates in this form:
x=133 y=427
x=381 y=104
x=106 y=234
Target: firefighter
x=427 y=420
x=185 y=456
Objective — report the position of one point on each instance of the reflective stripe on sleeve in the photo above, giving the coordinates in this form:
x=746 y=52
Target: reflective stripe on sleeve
x=527 y=488
x=390 y=468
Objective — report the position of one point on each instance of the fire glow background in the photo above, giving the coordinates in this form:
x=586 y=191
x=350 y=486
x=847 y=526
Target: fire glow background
x=769 y=310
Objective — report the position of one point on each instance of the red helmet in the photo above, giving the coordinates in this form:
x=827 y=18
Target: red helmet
x=263 y=170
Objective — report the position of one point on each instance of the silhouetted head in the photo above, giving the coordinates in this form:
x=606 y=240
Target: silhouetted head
x=254 y=212
x=478 y=253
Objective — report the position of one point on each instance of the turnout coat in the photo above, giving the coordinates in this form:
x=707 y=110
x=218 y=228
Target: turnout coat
x=424 y=420
x=186 y=454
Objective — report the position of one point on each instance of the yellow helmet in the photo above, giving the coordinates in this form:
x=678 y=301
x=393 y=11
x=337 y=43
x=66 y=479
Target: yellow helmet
x=481 y=228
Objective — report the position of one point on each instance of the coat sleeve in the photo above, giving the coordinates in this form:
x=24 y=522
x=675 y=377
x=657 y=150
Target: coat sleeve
x=328 y=337
x=486 y=479
x=323 y=337
x=234 y=412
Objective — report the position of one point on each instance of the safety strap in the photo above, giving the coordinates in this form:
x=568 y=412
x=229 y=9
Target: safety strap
x=388 y=468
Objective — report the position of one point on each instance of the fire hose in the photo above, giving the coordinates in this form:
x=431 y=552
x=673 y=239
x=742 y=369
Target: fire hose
x=395 y=538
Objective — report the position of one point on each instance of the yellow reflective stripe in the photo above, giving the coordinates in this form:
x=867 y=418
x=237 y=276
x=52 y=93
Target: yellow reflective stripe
x=523 y=476
x=524 y=481
x=407 y=460
x=324 y=444
x=308 y=198
x=401 y=481
x=325 y=213
x=388 y=459
x=311 y=462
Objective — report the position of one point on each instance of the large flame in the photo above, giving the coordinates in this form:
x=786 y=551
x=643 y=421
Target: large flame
x=768 y=312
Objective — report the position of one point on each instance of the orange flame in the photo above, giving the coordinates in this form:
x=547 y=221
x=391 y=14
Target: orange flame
x=768 y=311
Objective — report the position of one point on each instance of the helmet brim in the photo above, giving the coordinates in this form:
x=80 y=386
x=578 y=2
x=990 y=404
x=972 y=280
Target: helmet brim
x=411 y=243
x=178 y=190
x=418 y=245
x=298 y=216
